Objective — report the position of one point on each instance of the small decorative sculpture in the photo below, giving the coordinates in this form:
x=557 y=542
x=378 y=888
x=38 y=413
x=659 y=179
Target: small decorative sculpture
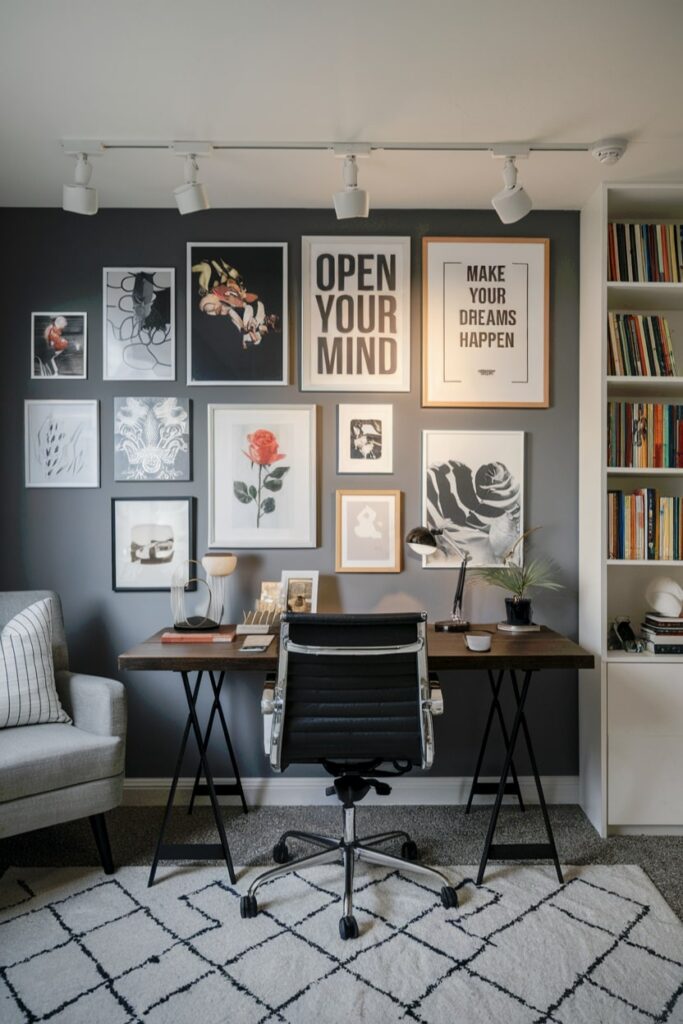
x=216 y=565
x=665 y=597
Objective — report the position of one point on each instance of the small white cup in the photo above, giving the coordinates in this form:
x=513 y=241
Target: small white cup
x=478 y=641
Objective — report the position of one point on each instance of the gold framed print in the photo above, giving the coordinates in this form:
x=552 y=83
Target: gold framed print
x=368 y=531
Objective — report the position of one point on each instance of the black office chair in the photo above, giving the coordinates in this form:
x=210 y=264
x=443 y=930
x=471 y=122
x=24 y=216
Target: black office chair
x=351 y=692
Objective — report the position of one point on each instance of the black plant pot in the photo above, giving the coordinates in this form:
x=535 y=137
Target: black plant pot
x=518 y=611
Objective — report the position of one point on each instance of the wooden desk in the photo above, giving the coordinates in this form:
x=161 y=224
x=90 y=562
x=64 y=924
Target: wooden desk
x=509 y=654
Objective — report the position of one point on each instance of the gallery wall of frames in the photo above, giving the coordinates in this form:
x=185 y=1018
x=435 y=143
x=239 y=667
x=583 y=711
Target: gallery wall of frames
x=295 y=391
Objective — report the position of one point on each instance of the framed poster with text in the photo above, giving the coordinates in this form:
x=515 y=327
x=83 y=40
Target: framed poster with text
x=355 y=314
x=485 y=334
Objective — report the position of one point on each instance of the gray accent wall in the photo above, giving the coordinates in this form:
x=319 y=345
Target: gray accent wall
x=60 y=539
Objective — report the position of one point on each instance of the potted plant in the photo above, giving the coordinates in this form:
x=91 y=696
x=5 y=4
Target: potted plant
x=519 y=580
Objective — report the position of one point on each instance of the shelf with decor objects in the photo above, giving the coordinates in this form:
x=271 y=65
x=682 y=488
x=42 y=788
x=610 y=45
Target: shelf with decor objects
x=631 y=704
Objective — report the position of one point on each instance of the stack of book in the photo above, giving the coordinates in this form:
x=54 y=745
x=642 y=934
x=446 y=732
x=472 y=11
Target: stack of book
x=644 y=526
x=639 y=346
x=645 y=435
x=645 y=252
x=661 y=634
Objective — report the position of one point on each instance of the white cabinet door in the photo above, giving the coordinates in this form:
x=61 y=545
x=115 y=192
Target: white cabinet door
x=645 y=744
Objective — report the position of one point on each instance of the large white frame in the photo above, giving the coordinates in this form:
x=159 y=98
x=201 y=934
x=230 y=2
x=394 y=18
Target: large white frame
x=285 y=317
x=301 y=420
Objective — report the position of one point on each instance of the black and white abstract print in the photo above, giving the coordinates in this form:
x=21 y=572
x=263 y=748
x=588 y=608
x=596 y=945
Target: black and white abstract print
x=475 y=499
x=365 y=439
x=139 y=323
x=151 y=439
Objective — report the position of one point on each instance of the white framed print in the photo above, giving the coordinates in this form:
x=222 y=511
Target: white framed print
x=138 y=330
x=299 y=590
x=485 y=335
x=59 y=346
x=61 y=443
x=150 y=539
x=237 y=318
x=365 y=438
x=262 y=476
x=473 y=491
x=368 y=536
x=355 y=316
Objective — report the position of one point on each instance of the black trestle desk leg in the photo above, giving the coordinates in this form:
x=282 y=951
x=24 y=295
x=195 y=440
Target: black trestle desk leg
x=206 y=768
x=221 y=788
x=174 y=784
x=514 y=733
x=492 y=787
x=537 y=778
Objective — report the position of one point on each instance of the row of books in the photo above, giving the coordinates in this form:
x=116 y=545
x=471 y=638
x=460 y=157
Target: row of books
x=645 y=435
x=644 y=525
x=662 y=634
x=645 y=252
x=639 y=346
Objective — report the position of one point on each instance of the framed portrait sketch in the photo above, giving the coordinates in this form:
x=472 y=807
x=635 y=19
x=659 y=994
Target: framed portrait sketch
x=262 y=476
x=365 y=438
x=138 y=332
x=151 y=439
x=473 y=490
x=150 y=539
x=368 y=531
x=237 y=315
x=299 y=590
x=59 y=346
x=485 y=335
x=61 y=443
x=355 y=317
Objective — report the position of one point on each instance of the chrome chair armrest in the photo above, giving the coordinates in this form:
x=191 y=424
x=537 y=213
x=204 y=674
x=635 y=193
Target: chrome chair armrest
x=435 y=702
x=269 y=705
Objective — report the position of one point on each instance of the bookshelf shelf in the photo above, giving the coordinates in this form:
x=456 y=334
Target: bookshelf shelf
x=625 y=780
x=650 y=471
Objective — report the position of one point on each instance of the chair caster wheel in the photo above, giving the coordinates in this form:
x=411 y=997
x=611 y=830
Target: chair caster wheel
x=409 y=850
x=281 y=853
x=449 y=897
x=248 y=906
x=348 y=928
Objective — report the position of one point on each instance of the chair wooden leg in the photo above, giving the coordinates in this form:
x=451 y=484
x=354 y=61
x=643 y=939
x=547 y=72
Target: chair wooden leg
x=98 y=823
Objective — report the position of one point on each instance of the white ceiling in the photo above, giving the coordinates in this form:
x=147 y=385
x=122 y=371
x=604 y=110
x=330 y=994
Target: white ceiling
x=322 y=70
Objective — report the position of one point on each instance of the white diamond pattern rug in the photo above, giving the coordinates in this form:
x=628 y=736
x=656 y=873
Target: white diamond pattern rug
x=77 y=947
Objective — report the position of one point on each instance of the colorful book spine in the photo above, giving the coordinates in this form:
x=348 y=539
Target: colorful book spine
x=644 y=526
x=645 y=252
x=639 y=346
x=644 y=435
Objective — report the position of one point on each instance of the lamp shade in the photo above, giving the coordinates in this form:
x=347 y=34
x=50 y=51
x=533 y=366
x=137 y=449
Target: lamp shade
x=421 y=540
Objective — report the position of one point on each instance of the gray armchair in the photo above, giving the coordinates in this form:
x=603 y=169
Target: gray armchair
x=55 y=772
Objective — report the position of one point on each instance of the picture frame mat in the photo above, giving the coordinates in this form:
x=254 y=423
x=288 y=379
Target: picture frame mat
x=95 y=407
x=187 y=501
x=347 y=411
x=397 y=546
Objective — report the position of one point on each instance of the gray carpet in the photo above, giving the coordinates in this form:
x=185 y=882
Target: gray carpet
x=444 y=835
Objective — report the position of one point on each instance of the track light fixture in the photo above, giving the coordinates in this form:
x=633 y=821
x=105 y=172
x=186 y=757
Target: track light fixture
x=351 y=201
x=191 y=196
x=78 y=198
x=512 y=202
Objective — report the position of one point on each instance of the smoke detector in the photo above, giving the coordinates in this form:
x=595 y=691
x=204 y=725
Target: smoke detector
x=608 y=151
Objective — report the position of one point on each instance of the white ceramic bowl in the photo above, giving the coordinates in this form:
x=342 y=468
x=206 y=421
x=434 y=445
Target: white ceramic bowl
x=478 y=641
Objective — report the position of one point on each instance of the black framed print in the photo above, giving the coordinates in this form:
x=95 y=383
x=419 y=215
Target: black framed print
x=151 y=538
x=237 y=315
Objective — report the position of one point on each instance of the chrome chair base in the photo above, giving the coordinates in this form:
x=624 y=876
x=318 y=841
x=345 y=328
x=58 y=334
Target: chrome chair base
x=346 y=851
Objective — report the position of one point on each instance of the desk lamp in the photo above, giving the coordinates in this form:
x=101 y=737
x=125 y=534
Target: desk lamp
x=216 y=565
x=422 y=540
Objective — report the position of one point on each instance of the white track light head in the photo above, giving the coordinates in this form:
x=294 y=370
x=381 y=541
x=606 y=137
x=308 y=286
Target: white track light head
x=191 y=196
x=78 y=198
x=351 y=201
x=512 y=202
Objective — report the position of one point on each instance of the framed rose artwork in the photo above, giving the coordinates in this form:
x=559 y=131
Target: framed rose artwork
x=473 y=490
x=368 y=531
x=262 y=476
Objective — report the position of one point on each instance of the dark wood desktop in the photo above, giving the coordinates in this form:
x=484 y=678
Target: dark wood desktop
x=509 y=655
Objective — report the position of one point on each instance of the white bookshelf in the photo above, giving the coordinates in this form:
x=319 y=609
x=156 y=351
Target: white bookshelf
x=630 y=705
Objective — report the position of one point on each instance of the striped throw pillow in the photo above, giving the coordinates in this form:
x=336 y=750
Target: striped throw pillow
x=28 y=695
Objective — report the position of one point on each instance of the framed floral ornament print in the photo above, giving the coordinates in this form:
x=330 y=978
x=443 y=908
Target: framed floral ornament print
x=151 y=438
x=262 y=476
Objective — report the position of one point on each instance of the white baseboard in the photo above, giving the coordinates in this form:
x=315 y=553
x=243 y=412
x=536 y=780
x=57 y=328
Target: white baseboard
x=645 y=830
x=287 y=791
